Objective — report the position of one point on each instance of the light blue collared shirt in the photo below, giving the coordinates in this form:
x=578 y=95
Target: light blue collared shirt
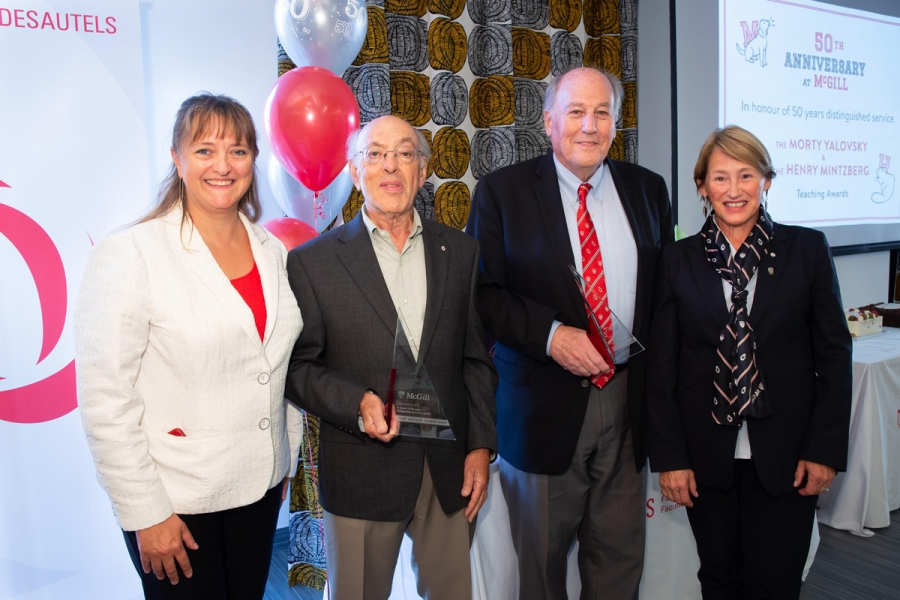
x=617 y=247
x=404 y=274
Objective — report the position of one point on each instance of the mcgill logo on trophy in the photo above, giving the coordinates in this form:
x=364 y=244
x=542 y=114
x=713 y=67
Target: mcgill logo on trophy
x=411 y=395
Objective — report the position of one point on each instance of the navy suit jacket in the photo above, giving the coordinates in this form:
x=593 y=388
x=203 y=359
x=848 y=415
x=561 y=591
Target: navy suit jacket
x=803 y=353
x=517 y=216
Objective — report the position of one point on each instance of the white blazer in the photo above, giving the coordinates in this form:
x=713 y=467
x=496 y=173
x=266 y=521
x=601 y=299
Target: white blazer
x=163 y=341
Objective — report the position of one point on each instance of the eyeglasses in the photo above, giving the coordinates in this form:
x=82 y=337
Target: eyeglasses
x=405 y=155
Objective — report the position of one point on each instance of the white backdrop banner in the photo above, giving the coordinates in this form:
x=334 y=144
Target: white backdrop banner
x=73 y=166
x=818 y=85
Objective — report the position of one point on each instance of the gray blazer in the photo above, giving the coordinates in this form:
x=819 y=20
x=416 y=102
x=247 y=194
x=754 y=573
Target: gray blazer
x=346 y=347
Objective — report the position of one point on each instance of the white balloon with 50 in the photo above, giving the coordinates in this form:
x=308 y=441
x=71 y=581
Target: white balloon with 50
x=322 y=33
x=299 y=202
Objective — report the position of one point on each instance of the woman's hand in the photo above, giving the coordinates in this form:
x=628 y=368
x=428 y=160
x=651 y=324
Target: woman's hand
x=163 y=544
x=285 y=486
x=679 y=486
x=818 y=477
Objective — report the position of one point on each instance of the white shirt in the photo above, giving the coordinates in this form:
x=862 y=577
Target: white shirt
x=742 y=448
x=617 y=246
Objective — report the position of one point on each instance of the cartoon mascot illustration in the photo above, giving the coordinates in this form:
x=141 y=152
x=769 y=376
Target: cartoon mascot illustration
x=756 y=41
x=884 y=179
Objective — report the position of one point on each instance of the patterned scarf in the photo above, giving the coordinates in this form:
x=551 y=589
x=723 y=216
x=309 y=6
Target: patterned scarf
x=739 y=383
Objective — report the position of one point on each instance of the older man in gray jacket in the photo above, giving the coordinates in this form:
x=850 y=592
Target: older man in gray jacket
x=350 y=284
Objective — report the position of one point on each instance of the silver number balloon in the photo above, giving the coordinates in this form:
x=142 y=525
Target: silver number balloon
x=322 y=33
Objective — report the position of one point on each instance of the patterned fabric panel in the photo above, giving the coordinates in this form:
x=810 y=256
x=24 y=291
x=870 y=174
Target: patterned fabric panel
x=471 y=75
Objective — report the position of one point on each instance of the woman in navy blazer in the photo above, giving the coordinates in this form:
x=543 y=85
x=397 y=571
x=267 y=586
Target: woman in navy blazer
x=748 y=378
x=183 y=330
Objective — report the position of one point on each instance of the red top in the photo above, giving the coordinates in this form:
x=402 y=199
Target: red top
x=250 y=288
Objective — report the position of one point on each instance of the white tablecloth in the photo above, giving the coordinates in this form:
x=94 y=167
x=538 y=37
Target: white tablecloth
x=863 y=496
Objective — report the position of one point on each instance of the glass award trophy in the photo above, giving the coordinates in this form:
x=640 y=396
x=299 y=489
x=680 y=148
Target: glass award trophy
x=622 y=345
x=411 y=394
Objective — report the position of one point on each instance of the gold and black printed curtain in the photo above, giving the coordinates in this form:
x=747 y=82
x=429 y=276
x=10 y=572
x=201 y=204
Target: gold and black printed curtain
x=471 y=76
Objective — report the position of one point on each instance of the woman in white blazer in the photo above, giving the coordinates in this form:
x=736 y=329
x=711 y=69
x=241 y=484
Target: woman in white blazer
x=183 y=328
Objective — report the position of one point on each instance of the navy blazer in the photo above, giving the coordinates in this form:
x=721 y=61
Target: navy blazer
x=517 y=215
x=803 y=353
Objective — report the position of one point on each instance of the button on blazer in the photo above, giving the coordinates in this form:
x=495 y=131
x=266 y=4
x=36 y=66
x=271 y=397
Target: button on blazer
x=517 y=216
x=348 y=347
x=803 y=353
x=164 y=341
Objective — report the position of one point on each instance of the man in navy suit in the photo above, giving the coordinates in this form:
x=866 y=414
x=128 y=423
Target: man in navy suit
x=569 y=423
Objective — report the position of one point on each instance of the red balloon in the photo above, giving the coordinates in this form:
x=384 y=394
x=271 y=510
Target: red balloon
x=310 y=114
x=291 y=232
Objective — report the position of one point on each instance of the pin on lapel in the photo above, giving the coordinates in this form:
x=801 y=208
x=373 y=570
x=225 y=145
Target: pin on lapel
x=771 y=271
x=443 y=248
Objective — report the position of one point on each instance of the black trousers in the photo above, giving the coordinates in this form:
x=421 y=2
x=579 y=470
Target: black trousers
x=232 y=561
x=751 y=545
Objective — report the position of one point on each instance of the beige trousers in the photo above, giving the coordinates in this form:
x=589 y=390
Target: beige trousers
x=361 y=555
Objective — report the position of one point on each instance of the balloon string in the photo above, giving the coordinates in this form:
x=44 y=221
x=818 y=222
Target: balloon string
x=319 y=207
x=315 y=210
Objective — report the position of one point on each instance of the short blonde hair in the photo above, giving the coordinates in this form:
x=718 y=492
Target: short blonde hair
x=739 y=144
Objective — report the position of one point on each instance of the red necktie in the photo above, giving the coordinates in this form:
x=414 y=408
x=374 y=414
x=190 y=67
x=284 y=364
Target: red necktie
x=594 y=279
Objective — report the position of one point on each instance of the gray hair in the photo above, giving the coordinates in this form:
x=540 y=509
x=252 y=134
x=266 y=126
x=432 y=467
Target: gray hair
x=618 y=92
x=356 y=139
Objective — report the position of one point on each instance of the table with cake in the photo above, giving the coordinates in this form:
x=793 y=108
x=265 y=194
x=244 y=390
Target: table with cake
x=863 y=322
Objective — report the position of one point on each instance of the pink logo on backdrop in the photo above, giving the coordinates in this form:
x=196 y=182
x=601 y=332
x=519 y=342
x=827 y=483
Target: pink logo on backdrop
x=53 y=396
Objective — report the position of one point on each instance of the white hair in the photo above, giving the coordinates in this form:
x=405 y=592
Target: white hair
x=357 y=139
x=618 y=92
